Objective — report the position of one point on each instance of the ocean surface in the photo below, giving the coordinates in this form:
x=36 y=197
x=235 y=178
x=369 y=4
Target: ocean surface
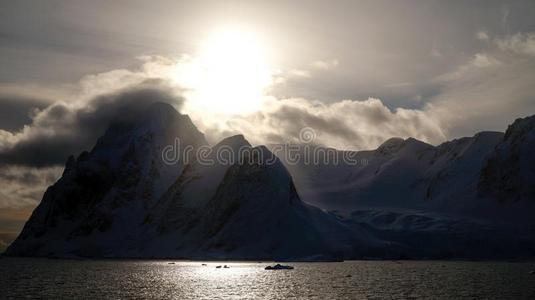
x=138 y=279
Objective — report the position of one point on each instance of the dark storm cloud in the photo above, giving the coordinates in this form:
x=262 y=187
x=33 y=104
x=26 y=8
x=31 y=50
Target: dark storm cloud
x=23 y=187
x=16 y=111
x=61 y=130
x=25 y=176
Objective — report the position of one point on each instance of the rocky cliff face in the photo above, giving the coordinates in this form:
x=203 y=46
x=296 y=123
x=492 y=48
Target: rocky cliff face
x=509 y=173
x=104 y=193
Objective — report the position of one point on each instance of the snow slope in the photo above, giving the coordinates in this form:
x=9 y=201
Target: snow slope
x=252 y=212
x=91 y=209
x=122 y=200
x=467 y=198
x=470 y=197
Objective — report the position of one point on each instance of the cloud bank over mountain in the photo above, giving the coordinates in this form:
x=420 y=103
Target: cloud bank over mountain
x=62 y=129
x=486 y=91
x=65 y=127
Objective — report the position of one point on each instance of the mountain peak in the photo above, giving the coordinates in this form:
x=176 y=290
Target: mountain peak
x=519 y=127
x=509 y=172
x=161 y=106
x=491 y=134
x=159 y=115
x=488 y=138
x=416 y=144
x=391 y=142
x=391 y=145
x=235 y=142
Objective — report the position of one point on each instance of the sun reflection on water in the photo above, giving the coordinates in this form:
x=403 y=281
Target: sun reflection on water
x=143 y=279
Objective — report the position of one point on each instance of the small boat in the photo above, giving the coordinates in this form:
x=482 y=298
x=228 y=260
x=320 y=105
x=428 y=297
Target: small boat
x=218 y=267
x=204 y=265
x=171 y=263
x=279 y=267
x=226 y=267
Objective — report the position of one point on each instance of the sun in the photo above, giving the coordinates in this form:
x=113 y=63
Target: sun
x=229 y=74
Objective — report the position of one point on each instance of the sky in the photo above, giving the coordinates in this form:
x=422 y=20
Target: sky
x=357 y=72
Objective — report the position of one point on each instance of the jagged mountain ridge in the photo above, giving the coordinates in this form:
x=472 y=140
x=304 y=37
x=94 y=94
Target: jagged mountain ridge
x=436 y=200
x=412 y=175
x=246 y=208
x=122 y=200
x=255 y=213
x=104 y=191
x=410 y=199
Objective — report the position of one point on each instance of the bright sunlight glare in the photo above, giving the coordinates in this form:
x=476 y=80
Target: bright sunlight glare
x=229 y=74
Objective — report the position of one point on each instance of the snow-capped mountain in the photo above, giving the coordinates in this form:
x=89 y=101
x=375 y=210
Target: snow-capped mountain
x=245 y=210
x=122 y=200
x=460 y=177
x=470 y=197
x=244 y=205
x=92 y=208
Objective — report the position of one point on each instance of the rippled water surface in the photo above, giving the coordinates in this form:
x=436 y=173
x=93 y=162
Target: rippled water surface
x=38 y=278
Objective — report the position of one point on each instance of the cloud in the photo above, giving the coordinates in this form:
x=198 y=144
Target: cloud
x=308 y=71
x=436 y=53
x=482 y=60
x=505 y=16
x=519 y=43
x=470 y=97
x=300 y=73
x=42 y=126
x=62 y=129
x=482 y=35
x=325 y=64
x=488 y=91
x=17 y=110
x=347 y=124
x=23 y=187
x=65 y=128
